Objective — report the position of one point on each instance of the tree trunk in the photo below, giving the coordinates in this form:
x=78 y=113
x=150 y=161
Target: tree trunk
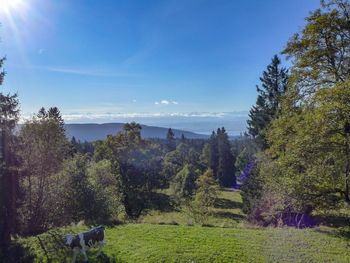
x=5 y=237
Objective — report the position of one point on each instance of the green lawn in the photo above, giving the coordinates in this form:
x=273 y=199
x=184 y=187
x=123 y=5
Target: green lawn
x=229 y=240
x=166 y=243
x=227 y=212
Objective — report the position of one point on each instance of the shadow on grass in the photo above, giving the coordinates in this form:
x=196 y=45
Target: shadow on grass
x=229 y=215
x=104 y=258
x=18 y=253
x=227 y=204
x=161 y=202
x=333 y=221
x=339 y=233
x=343 y=233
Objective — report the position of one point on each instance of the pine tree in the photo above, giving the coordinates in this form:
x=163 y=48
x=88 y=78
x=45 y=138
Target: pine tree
x=2 y=72
x=8 y=176
x=218 y=158
x=170 y=140
x=213 y=159
x=273 y=87
x=226 y=168
x=183 y=138
x=206 y=195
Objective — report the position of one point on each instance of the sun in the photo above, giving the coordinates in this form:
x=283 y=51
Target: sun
x=8 y=6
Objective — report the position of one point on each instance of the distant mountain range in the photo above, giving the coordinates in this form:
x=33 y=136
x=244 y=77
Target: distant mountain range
x=93 y=131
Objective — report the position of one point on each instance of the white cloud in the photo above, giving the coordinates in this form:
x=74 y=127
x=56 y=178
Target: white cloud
x=134 y=101
x=148 y=117
x=166 y=102
x=97 y=116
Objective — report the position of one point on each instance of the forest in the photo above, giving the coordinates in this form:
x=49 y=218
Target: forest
x=290 y=170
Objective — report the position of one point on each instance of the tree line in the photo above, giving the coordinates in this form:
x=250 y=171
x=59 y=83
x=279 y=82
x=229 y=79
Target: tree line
x=301 y=125
x=49 y=181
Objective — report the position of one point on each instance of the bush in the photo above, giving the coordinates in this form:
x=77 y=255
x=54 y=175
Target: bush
x=270 y=199
x=205 y=197
x=90 y=191
x=184 y=183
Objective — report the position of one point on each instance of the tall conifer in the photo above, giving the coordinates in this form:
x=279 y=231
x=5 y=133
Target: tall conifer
x=273 y=86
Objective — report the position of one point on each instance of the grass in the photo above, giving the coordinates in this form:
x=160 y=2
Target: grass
x=158 y=239
x=227 y=212
x=166 y=243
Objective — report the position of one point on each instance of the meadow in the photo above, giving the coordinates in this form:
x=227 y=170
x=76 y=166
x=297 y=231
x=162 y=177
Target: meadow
x=172 y=237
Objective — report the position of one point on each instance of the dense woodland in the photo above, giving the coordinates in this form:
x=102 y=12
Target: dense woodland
x=293 y=161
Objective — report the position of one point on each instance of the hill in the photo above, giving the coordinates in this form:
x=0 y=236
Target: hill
x=93 y=131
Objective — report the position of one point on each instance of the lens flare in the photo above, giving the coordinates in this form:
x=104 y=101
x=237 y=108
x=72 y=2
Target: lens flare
x=8 y=6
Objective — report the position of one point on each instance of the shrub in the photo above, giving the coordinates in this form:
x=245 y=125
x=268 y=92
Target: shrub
x=205 y=197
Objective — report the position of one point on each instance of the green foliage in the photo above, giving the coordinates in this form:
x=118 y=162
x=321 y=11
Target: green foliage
x=251 y=192
x=174 y=161
x=207 y=189
x=210 y=153
x=184 y=183
x=316 y=153
x=9 y=114
x=88 y=191
x=226 y=169
x=2 y=72
x=308 y=163
x=217 y=156
x=107 y=189
x=320 y=52
x=206 y=194
x=273 y=202
x=245 y=149
x=136 y=163
x=82 y=147
x=42 y=148
x=170 y=140
x=273 y=86
x=243 y=159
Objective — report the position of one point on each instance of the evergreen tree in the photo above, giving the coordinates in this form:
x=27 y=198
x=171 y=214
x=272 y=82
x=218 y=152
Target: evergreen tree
x=74 y=141
x=207 y=190
x=170 y=140
x=307 y=166
x=226 y=169
x=273 y=87
x=218 y=158
x=206 y=195
x=184 y=183
x=8 y=176
x=213 y=158
x=2 y=72
x=183 y=138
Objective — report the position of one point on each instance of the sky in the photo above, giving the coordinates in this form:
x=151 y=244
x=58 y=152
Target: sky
x=172 y=63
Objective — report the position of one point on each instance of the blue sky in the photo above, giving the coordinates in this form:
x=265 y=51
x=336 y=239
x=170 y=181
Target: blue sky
x=110 y=60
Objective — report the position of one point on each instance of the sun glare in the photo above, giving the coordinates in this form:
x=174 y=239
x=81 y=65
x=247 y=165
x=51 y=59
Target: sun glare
x=8 y=6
